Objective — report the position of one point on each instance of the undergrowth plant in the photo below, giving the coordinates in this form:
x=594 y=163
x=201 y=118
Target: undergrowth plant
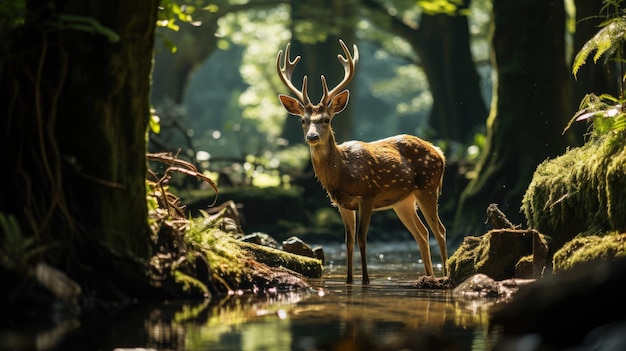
x=606 y=111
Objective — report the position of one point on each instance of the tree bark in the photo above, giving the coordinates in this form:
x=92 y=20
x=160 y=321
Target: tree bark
x=530 y=108
x=74 y=101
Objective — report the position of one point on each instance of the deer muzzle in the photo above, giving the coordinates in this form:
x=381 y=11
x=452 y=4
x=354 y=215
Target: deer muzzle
x=312 y=138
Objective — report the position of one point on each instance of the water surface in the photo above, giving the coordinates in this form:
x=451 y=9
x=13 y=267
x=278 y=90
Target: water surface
x=331 y=315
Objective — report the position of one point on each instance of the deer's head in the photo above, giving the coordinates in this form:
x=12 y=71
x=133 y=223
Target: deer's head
x=316 y=119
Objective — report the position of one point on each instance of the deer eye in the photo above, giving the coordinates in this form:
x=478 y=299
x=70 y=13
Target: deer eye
x=326 y=120
x=302 y=120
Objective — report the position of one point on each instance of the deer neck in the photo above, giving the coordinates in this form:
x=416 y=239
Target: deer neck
x=326 y=160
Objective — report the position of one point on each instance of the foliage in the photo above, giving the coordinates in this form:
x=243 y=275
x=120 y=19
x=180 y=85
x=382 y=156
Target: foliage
x=12 y=14
x=390 y=80
x=171 y=11
x=251 y=30
x=448 y=7
x=237 y=117
x=14 y=246
x=609 y=40
x=606 y=111
x=155 y=122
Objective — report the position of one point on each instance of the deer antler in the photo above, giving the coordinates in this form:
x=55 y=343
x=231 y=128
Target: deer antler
x=286 y=70
x=349 y=63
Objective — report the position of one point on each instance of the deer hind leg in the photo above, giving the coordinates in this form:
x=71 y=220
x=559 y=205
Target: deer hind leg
x=407 y=213
x=427 y=203
x=349 y=221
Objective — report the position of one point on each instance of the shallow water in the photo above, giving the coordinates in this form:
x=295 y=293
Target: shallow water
x=331 y=315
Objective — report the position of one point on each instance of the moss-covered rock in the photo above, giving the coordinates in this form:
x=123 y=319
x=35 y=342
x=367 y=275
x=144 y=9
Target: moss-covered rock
x=582 y=191
x=461 y=264
x=239 y=265
x=583 y=249
x=306 y=266
x=497 y=255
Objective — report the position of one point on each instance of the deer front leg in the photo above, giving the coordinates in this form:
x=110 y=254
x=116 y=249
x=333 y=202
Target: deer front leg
x=349 y=221
x=364 y=216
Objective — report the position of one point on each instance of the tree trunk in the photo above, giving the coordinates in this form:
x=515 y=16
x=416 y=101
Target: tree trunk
x=442 y=44
x=172 y=70
x=74 y=101
x=530 y=108
x=334 y=19
x=194 y=44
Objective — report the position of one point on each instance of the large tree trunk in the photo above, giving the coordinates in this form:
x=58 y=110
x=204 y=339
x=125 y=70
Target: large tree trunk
x=530 y=108
x=442 y=44
x=74 y=101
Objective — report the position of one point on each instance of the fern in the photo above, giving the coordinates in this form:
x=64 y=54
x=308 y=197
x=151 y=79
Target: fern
x=606 y=112
x=607 y=41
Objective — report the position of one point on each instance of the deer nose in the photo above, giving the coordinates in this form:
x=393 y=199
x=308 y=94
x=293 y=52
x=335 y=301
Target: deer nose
x=311 y=137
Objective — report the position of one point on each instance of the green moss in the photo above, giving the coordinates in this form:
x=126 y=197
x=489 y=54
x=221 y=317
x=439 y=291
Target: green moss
x=615 y=188
x=189 y=283
x=580 y=191
x=233 y=262
x=586 y=248
x=461 y=263
x=307 y=266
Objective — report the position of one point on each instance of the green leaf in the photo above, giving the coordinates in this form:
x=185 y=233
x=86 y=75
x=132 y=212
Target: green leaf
x=608 y=40
x=155 y=124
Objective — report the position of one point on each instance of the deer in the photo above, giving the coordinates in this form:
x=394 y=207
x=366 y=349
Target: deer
x=402 y=172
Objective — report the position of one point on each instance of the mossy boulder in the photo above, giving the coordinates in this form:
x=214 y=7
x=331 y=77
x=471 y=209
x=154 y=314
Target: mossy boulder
x=582 y=191
x=237 y=265
x=587 y=248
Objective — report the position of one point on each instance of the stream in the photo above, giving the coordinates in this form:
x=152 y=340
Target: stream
x=387 y=314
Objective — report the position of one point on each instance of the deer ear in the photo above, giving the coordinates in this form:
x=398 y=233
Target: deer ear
x=339 y=102
x=292 y=105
